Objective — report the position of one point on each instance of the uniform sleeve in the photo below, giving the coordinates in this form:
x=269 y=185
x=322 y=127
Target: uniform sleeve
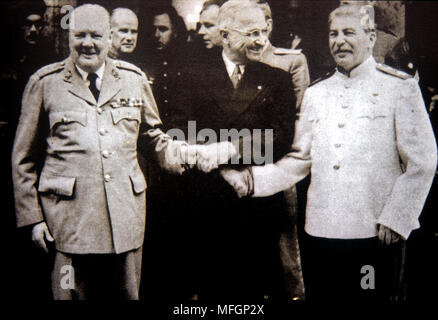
x=27 y=154
x=418 y=154
x=292 y=168
x=153 y=139
x=300 y=78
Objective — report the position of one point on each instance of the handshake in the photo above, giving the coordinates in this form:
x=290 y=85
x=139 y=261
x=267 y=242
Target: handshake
x=207 y=157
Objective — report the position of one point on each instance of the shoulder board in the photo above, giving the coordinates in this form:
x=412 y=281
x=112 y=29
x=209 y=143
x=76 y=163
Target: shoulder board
x=49 y=69
x=284 y=51
x=128 y=66
x=326 y=76
x=394 y=72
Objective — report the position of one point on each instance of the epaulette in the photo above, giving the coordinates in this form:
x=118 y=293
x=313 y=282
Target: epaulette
x=120 y=64
x=284 y=51
x=49 y=69
x=326 y=76
x=394 y=72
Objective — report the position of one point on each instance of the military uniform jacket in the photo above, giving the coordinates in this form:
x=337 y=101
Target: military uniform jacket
x=293 y=62
x=371 y=149
x=75 y=159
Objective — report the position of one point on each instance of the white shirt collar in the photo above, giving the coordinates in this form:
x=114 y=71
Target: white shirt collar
x=99 y=72
x=230 y=65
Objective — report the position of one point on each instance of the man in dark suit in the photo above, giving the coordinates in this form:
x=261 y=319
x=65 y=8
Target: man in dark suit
x=238 y=238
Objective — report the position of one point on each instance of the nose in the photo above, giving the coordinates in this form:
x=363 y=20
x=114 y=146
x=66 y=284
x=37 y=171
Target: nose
x=339 y=40
x=202 y=31
x=87 y=42
x=33 y=28
x=261 y=40
x=157 y=34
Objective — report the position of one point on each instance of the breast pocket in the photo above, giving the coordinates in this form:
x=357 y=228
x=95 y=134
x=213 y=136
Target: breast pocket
x=67 y=129
x=127 y=119
x=67 y=119
x=372 y=123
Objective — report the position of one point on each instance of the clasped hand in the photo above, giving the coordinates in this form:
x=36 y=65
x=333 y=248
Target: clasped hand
x=208 y=157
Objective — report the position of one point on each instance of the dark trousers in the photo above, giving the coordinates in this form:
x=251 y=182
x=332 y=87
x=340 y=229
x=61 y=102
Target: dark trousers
x=353 y=269
x=97 y=276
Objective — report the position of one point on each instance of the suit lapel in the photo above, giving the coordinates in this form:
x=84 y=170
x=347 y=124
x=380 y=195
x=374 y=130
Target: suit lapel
x=110 y=83
x=76 y=85
x=249 y=89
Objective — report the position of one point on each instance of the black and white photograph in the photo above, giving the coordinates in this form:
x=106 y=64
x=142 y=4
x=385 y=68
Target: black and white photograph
x=219 y=158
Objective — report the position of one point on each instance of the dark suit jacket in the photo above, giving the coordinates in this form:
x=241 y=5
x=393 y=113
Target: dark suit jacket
x=240 y=237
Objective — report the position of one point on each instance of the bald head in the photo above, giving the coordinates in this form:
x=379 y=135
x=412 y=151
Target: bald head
x=89 y=36
x=124 y=31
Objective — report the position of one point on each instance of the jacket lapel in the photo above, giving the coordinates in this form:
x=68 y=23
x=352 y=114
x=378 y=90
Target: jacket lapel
x=249 y=89
x=76 y=85
x=110 y=83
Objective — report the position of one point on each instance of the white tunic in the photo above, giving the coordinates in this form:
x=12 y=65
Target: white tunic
x=369 y=145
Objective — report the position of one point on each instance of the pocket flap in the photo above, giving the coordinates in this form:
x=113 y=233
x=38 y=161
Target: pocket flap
x=63 y=186
x=68 y=117
x=125 y=113
x=372 y=113
x=138 y=182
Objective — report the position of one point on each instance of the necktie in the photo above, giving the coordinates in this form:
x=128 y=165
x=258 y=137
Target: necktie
x=236 y=76
x=93 y=88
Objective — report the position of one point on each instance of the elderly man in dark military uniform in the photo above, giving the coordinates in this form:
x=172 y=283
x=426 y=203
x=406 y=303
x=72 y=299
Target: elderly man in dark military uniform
x=85 y=191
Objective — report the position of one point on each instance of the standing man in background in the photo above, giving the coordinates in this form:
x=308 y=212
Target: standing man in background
x=124 y=33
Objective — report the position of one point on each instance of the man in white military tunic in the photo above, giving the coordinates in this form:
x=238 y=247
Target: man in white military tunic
x=365 y=137
x=75 y=169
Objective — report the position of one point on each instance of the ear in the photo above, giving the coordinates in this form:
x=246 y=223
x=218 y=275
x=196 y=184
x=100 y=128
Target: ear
x=224 y=36
x=373 y=37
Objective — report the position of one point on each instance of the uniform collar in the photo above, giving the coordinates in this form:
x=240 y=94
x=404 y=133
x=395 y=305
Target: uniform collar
x=362 y=70
x=99 y=72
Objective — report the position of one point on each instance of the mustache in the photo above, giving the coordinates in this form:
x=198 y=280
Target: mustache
x=343 y=51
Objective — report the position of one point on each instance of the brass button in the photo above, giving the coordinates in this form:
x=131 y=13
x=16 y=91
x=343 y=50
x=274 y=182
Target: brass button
x=341 y=125
x=105 y=153
x=99 y=110
x=336 y=167
x=165 y=63
x=165 y=75
x=166 y=101
x=102 y=132
x=337 y=145
x=165 y=87
x=64 y=119
x=107 y=178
